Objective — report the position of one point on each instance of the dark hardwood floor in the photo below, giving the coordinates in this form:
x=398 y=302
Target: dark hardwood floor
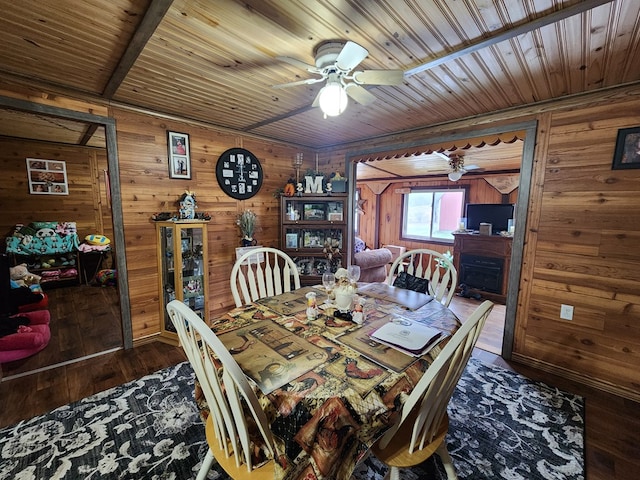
x=85 y=320
x=612 y=440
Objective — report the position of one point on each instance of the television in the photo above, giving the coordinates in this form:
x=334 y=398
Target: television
x=497 y=214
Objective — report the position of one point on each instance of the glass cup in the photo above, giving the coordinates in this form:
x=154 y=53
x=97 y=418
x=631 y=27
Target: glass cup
x=353 y=272
x=329 y=282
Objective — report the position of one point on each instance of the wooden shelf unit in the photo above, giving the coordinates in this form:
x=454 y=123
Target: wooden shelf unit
x=306 y=223
x=63 y=268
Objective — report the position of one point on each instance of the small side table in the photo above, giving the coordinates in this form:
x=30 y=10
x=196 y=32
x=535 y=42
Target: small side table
x=90 y=264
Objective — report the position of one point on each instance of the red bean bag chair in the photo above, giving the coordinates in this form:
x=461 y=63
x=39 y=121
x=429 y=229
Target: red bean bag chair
x=30 y=307
x=29 y=339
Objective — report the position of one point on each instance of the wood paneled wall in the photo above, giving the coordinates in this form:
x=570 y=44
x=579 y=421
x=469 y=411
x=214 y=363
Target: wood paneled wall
x=147 y=189
x=583 y=234
x=580 y=243
x=86 y=203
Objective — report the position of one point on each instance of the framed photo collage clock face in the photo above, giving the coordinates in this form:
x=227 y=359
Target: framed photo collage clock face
x=239 y=173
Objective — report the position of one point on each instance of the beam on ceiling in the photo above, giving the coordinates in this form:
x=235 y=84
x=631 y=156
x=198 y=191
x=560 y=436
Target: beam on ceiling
x=91 y=129
x=554 y=17
x=152 y=18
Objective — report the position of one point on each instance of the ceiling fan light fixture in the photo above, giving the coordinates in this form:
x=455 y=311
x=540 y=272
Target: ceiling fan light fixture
x=455 y=176
x=333 y=99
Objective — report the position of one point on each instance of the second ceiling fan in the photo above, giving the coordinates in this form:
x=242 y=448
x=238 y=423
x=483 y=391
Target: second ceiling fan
x=456 y=163
x=335 y=62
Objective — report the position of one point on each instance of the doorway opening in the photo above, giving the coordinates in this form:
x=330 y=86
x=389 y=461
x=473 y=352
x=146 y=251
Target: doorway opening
x=382 y=185
x=111 y=314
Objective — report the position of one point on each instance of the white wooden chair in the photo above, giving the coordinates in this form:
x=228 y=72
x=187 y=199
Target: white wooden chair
x=262 y=272
x=227 y=429
x=423 y=263
x=422 y=425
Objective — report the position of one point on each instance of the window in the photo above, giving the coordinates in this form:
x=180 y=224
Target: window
x=432 y=214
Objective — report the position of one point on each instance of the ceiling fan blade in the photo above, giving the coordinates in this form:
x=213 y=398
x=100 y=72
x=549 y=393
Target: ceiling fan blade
x=379 y=77
x=442 y=155
x=472 y=167
x=316 y=101
x=300 y=64
x=308 y=81
x=350 y=56
x=359 y=94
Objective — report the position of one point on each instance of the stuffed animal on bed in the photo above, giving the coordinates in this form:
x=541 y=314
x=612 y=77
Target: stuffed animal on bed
x=22 y=276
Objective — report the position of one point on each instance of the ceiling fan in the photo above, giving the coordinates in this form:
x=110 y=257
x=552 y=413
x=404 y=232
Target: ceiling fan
x=334 y=62
x=456 y=163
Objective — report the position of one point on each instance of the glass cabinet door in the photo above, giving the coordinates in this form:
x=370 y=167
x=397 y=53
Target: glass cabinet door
x=183 y=269
x=167 y=272
x=192 y=274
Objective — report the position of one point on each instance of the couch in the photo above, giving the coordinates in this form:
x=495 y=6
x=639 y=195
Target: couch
x=24 y=319
x=373 y=264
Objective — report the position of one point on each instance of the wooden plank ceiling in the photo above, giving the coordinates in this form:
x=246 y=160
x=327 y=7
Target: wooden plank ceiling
x=215 y=62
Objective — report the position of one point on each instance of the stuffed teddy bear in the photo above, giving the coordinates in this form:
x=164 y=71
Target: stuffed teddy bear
x=21 y=275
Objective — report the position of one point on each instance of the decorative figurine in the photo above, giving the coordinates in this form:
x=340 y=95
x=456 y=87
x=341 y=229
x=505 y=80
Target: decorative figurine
x=312 y=306
x=187 y=206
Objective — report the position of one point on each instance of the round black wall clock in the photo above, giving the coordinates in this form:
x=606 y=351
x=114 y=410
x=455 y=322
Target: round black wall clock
x=239 y=173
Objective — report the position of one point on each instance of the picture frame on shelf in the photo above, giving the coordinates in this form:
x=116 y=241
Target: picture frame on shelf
x=314 y=211
x=179 y=155
x=312 y=239
x=627 y=151
x=291 y=240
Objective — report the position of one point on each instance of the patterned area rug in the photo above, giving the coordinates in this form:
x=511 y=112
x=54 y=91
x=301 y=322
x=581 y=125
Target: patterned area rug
x=502 y=426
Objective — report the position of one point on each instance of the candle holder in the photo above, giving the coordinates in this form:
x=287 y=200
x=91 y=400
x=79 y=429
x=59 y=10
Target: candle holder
x=297 y=163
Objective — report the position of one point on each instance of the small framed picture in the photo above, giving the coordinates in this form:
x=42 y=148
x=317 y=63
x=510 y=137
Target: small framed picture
x=291 y=240
x=314 y=211
x=627 y=152
x=179 y=155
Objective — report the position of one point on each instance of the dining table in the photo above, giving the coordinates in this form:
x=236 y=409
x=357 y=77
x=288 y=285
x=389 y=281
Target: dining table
x=327 y=387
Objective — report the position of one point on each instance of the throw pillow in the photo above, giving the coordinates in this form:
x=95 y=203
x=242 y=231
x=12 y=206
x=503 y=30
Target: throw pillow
x=411 y=282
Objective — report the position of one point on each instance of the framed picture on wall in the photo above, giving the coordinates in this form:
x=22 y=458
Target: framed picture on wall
x=47 y=177
x=179 y=155
x=627 y=152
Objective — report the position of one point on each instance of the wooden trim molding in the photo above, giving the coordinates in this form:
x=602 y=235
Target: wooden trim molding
x=590 y=381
